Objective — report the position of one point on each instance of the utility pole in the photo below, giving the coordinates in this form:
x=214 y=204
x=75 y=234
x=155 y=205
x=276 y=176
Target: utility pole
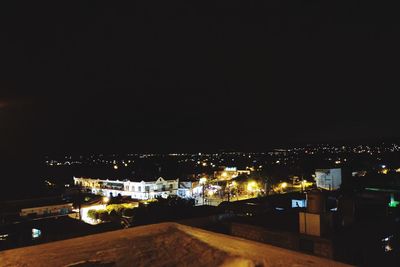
x=79 y=202
x=204 y=197
x=229 y=191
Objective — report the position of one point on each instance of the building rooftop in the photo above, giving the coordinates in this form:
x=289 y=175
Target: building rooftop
x=17 y=205
x=165 y=244
x=131 y=179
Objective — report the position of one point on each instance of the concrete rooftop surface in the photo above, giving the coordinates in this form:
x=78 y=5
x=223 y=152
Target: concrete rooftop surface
x=164 y=244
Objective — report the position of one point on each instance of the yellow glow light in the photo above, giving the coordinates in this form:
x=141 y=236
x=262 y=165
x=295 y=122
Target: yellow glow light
x=252 y=186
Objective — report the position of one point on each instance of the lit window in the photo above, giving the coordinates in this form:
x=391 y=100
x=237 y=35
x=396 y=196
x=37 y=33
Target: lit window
x=36 y=233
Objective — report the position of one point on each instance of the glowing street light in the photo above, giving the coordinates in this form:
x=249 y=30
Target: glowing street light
x=252 y=186
x=115 y=167
x=283 y=185
x=106 y=199
x=203 y=181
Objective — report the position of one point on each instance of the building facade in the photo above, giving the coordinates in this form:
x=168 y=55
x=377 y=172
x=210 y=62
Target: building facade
x=185 y=189
x=137 y=190
x=328 y=179
x=48 y=210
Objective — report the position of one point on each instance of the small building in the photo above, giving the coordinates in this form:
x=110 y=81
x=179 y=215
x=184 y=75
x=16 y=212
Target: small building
x=53 y=209
x=317 y=219
x=328 y=179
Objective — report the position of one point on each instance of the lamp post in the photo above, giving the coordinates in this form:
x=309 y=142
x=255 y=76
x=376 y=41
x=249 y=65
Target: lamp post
x=303 y=185
x=230 y=186
x=203 y=181
x=283 y=186
x=229 y=191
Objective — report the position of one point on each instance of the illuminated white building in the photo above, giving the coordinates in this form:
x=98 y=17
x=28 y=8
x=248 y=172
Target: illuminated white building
x=329 y=179
x=136 y=190
x=185 y=189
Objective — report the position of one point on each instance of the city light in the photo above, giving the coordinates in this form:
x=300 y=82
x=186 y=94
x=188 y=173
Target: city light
x=106 y=199
x=85 y=210
x=252 y=186
x=115 y=167
x=284 y=185
x=203 y=180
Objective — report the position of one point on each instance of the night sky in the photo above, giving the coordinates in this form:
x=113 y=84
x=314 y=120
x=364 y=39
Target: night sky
x=240 y=75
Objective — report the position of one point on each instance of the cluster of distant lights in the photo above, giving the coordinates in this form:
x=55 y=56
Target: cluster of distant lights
x=335 y=154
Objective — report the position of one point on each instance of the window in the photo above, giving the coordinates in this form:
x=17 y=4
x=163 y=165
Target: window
x=139 y=188
x=171 y=186
x=133 y=188
x=36 y=233
x=147 y=188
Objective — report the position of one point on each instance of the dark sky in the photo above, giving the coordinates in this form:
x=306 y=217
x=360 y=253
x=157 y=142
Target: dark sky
x=195 y=76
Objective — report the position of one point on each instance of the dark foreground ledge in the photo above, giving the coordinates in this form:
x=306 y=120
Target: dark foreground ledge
x=164 y=244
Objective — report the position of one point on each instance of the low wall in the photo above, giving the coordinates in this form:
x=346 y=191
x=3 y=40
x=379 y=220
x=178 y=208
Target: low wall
x=202 y=222
x=256 y=233
x=294 y=241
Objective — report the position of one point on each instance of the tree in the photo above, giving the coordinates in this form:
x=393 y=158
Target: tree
x=92 y=214
x=103 y=215
x=114 y=215
x=128 y=212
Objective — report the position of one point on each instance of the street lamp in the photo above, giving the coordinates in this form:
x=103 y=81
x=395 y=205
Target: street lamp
x=203 y=181
x=252 y=186
x=230 y=186
x=303 y=185
x=106 y=199
x=283 y=186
